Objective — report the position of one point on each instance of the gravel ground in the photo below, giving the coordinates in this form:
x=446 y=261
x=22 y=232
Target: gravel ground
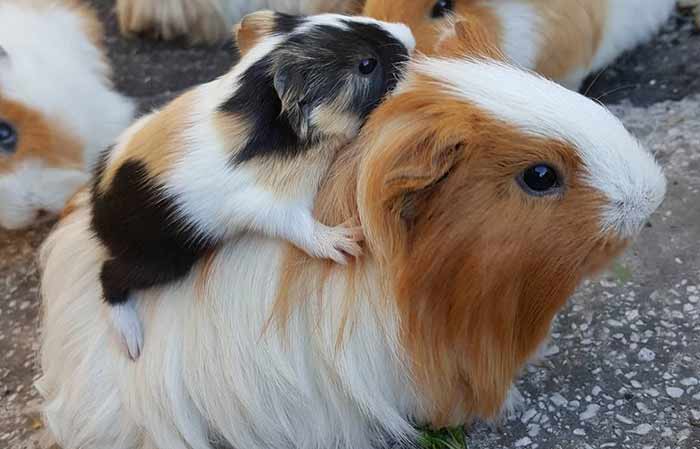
x=623 y=369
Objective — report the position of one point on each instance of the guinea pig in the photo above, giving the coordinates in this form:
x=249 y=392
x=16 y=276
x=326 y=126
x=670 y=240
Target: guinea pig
x=58 y=108
x=209 y=20
x=485 y=193
x=564 y=40
x=245 y=152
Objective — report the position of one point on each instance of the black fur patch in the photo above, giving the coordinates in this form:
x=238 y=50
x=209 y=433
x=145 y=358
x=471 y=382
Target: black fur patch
x=257 y=101
x=323 y=62
x=139 y=227
x=286 y=23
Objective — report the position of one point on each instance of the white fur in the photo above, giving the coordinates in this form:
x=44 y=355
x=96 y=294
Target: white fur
x=207 y=361
x=32 y=187
x=53 y=68
x=125 y=318
x=208 y=370
x=630 y=23
x=521 y=32
x=617 y=165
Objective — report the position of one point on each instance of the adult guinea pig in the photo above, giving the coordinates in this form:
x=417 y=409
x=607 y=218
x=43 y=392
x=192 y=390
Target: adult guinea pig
x=486 y=194
x=57 y=105
x=210 y=20
x=564 y=40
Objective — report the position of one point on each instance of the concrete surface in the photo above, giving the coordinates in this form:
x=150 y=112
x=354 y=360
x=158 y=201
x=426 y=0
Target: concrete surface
x=623 y=369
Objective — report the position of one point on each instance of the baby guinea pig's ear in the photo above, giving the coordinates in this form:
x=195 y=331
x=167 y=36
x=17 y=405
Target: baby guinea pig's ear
x=469 y=37
x=289 y=85
x=252 y=28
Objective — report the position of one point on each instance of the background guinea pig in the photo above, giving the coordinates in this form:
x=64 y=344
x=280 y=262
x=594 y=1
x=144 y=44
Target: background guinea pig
x=211 y=20
x=57 y=105
x=564 y=40
x=486 y=195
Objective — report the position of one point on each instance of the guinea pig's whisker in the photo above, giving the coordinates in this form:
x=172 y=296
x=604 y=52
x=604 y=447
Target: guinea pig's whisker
x=595 y=80
x=612 y=91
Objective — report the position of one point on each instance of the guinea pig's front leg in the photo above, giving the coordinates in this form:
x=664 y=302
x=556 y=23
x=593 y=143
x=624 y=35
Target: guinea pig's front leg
x=296 y=224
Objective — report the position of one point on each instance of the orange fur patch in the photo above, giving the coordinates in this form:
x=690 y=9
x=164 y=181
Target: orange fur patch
x=157 y=143
x=252 y=28
x=429 y=31
x=571 y=35
x=39 y=139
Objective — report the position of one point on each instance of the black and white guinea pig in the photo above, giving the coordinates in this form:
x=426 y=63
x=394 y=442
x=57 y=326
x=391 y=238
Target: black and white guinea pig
x=58 y=108
x=245 y=152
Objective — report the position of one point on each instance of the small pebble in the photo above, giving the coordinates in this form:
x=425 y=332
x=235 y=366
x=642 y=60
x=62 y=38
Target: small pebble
x=590 y=412
x=526 y=441
x=674 y=392
x=642 y=429
x=689 y=381
x=558 y=400
x=646 y=355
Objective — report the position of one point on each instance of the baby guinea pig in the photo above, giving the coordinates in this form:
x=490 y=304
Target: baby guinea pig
x=58 y=108
x=245 y=152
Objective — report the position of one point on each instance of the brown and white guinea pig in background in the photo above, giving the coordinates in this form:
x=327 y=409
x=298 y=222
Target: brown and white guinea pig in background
x=58 y=109
x=245 y=152
x=564 y=40
x=486 y=195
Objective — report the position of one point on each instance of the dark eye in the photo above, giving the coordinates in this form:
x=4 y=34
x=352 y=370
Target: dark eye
x=367 y=66
x=8 y=138
x=540 y=179
x=442 y=8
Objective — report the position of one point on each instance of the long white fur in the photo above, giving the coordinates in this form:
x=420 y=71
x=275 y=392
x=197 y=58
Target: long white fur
x=208 y=370
x=52 y=67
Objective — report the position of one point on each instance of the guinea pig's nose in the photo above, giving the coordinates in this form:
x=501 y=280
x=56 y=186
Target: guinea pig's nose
x=629 y=211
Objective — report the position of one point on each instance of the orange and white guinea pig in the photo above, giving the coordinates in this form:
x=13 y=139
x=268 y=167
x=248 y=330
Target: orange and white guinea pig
x=486 y=194
x=58 y=109
x=564 y=40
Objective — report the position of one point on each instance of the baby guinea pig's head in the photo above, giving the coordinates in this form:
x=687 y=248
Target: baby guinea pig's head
x=329 y=71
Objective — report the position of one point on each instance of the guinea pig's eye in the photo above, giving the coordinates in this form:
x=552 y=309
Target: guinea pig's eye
x=367 y=66
x=539 y=180
x=8 y=138
x=442 y=8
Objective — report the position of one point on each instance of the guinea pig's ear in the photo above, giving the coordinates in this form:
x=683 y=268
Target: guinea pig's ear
x=401 y=178
x=289 y=86
x=252 y=28
x=469 y=37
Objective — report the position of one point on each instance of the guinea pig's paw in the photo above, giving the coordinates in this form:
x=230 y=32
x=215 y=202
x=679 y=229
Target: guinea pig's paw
x=339 y=242
x=514 y=405
x=196 y=20
x=127 y=325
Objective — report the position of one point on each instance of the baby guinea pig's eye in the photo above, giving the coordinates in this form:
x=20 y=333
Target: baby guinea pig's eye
x=442 y=8
x=367 y=65
x=539 y=180
x=8 y=138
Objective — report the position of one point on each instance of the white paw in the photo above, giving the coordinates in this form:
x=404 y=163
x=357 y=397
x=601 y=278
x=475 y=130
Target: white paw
x=337 y=243
x=127 y=325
